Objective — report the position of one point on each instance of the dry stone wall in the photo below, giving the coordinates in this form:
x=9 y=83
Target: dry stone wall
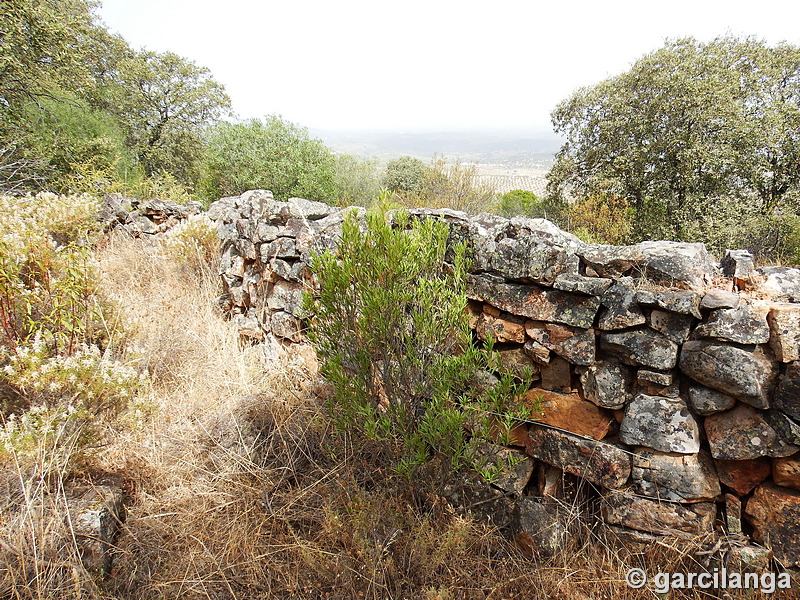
x=666 y=379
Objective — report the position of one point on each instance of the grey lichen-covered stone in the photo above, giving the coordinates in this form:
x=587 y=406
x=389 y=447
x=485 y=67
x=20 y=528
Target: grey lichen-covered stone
x=282 y=247
x=743 y=433
x=535 y=302
x=643 y=347
x=537 y=528
x=675 y=327
x=657 y=377
x=286 y=326
x=705 y=401
x=529 y=259
x=607 y=384
x=782 y=284
x=620 y=507
x=678 y=263
x=591 y=286
x=681 y=302
x=537 y=352
x=601 y=463
x=664 y=424
x=744 y=325
x=619 y=309
x=784 y=326
x=788 y=429
x=787 y=395
x=716 y=298
x=96 y=515
x=747 y=375
x=573 y=343
x=287 y=296
x=309 y=209
x=516 y=362
x=675 y=477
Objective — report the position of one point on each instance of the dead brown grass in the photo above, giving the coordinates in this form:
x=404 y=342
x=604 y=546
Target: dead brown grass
x=239 y=489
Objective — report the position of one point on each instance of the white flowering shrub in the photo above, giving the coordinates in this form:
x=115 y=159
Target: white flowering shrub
x=194 y=242
x=48 y=277
x=56 y=384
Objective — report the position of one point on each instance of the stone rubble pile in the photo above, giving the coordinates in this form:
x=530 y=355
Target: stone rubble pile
x=667 y=380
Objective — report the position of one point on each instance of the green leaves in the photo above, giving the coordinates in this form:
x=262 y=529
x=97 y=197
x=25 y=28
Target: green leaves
x=690 y=124
x=272 y=154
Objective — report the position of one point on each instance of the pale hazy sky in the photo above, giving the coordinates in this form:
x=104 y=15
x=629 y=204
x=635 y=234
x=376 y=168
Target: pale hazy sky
x=426 y=64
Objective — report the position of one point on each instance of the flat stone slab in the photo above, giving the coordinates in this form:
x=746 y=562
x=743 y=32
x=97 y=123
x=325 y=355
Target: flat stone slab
x=717 y=298
x=643 y=347
x=620 y=507
x=672 y=325
x=534 y=302
x=501 y=328
x=747 y=375
x=660 y=423
x=774 y=512
x=600 y=463
x=591 y=286
x=681 y=302
x=705 y=401
x=569 y=412
x=572 y=343
x=619 y=309
x=744 y=325
x=743 y=433
x=677 y=477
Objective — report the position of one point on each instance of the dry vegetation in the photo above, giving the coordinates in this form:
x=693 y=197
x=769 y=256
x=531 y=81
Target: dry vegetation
x=238 y=488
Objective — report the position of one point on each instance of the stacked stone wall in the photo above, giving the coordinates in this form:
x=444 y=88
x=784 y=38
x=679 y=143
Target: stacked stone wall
x=667 y=380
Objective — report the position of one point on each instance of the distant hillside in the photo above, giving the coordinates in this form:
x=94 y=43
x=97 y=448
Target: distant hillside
x=528 y=148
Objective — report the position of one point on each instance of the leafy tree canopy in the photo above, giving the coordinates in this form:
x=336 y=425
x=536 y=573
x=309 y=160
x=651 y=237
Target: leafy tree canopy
x=404 y=174
x=272 y=154
x=689 y=125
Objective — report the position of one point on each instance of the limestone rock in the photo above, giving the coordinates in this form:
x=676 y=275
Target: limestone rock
x=742 y=476
x=660 y=423
x=786 y=471
x=678 y=263
x=676 y=477
x=681 y=302
x=663 y=518
x=607 y=384
x=747 y=375
x=620 y=310
x=537 y=529
x=744 y=325
x=282 y=247
x=535 y=302
x=643 y=347
x=673 y=326
x=591 y=286
x=598 y=462
x=774 y=513
x=569 y=412
x=309 y=209
x=705 y=401
x=716 y=298
x=574 y=344
x=743 y=433
x=784 y=325
x=611 y=261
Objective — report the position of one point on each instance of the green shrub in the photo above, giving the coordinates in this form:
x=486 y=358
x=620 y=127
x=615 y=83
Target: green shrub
x=520 y=202
x=392 y=334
